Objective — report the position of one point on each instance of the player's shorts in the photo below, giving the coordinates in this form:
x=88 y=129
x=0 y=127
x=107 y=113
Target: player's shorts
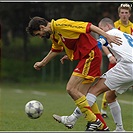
x=89 y=67
x=120 y=77
x=111 y=65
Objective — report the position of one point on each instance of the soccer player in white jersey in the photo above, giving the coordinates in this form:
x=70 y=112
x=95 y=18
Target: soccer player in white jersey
x=116 y=80
x=119 y=78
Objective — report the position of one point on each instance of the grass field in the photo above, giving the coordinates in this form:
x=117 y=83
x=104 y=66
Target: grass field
x=54 y=98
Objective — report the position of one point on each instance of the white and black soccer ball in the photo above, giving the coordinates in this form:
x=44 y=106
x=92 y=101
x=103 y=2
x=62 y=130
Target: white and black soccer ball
x=34 y=109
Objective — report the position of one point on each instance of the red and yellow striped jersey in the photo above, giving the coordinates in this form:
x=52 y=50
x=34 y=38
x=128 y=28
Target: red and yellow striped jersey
x=127 y=29
x=72 y=36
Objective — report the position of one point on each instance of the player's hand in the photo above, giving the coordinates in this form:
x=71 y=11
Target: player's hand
x=114 y=39
x=112 y=60
x=65 y=57
x=38 y=65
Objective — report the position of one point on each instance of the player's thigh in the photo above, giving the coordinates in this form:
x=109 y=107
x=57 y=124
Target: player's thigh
x=76 y=83
x=99 y=87
x=84 y=88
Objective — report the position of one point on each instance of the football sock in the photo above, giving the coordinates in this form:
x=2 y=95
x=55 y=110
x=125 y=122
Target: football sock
x=83 y=105
x=96 y=111
x=115 y=110
x=103 y=111
x=77 y=113
x=91 y=99
x=95 y=108
x=104 y=104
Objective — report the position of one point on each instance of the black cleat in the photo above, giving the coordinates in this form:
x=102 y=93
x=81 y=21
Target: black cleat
x=105 y=129
x=104 y=115
x=93 y=126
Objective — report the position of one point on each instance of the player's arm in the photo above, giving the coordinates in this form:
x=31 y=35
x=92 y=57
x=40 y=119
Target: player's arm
x=45 y=60
x=110 y=38
x=55 y=50
x=65 y=57
x=111 y=58
x=102 y=42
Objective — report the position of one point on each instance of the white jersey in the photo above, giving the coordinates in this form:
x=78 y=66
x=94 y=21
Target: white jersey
x=123 y=52
x=120 y=77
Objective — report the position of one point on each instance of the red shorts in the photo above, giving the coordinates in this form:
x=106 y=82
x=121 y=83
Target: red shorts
x=111 y=65
x=89 y=67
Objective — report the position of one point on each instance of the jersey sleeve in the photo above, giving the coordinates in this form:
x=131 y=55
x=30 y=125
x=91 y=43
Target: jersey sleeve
x=102 y=41
x=73 y=26
x=55 y=47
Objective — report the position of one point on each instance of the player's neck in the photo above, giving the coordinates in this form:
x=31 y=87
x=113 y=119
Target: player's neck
x=125 y=23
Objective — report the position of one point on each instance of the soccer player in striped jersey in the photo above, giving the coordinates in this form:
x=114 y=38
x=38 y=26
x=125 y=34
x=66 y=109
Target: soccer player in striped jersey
x=74 y=37
x=124 y=10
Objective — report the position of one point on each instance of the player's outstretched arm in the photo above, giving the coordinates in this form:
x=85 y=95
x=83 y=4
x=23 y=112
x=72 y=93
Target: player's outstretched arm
x=45 y=60
x=110 y=38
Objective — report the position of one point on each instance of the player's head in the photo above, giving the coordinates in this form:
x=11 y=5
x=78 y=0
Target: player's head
x=124 y=11
x=106 y=24
x=38 y=27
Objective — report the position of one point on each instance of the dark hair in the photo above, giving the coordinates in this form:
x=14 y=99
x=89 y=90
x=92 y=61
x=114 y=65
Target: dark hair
x=35 y=23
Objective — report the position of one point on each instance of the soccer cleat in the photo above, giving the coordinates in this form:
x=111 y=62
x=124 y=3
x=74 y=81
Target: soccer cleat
x=65 y=120
x=119 y=129
x=104 y=129
x=93 y=126
x=104 y=115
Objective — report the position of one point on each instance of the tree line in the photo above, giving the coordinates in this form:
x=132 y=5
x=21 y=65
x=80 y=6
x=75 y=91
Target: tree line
x=14 y=17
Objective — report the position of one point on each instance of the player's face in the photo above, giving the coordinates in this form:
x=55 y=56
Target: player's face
x=124 y=15
x=43 y=32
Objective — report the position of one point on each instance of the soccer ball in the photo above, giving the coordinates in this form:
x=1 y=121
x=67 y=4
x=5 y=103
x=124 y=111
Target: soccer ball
x=34 y=109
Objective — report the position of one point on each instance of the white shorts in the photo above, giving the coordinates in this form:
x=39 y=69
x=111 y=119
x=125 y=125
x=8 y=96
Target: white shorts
x=120 y=77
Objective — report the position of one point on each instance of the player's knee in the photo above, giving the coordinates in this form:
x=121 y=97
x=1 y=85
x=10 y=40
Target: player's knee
x=69 y=89
x=110 y=96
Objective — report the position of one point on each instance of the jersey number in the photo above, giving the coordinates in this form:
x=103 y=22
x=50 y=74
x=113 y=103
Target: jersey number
x=129 y=39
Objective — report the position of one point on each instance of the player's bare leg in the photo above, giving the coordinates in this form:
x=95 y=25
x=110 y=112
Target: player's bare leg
x=81 y=103
x=69 y=121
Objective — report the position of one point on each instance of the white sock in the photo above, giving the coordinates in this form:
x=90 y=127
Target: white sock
x=103 y=111
x=75 y=115
x=91 y=99
x=115 y=110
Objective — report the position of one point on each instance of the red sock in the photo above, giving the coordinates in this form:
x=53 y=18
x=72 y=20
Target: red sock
x=99 y=116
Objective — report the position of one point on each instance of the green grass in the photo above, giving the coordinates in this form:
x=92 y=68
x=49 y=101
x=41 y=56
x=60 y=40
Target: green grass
x=55 y=99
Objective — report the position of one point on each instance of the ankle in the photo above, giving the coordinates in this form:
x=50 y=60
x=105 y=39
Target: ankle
x=73 y=117
x=119 y=128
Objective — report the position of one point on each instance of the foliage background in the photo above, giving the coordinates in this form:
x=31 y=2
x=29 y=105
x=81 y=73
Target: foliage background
x=19 y=51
